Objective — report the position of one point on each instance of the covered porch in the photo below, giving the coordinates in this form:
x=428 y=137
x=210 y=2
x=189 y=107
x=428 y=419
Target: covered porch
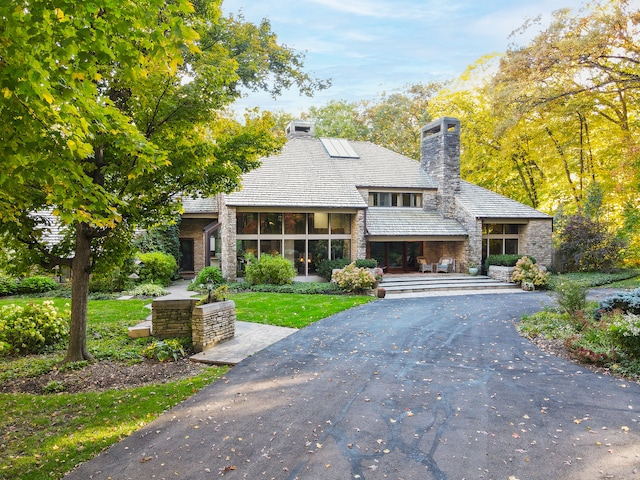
x=397 y=237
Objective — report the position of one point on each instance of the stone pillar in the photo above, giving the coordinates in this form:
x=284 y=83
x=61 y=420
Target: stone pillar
x=536 y=240
x=228 y=253
x=358 y=239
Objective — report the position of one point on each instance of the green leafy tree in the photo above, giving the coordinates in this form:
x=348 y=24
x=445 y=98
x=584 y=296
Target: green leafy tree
x=110 y=109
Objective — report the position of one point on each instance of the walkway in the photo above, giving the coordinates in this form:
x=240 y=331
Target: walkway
x=419 y=388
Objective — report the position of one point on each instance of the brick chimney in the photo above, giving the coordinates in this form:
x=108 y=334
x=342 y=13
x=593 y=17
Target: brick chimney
x=440 y=158
x=300 y=128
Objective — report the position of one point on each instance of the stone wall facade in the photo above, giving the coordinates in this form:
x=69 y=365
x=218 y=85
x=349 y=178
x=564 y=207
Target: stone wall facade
x=171 y=318
x=536 y=240
x=213 y=323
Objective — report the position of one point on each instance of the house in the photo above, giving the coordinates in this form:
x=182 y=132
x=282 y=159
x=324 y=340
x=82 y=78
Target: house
x=331 y=198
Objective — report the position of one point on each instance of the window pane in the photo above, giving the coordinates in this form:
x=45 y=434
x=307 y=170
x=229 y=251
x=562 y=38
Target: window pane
x=318 y=252
x=243 y=247
x=511 y=228
x=385 y=199
x=406 y=200
x=295 y=223
x=494 y=228
x=417 y=200
x=318 y=223
x=246 y=223
x=272 y=247
x=295 y=252
x=270 y=223
x=340 y=223
x=511 y=246
x=377 y=251
x=395 y=197
x=495 y=246
x=340 y=249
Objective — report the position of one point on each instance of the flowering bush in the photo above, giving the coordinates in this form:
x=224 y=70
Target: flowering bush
x=354 y=279
x=30 y=328
x=526 y=271
x=625 y=328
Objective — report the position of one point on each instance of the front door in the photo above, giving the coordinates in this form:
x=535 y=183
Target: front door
x=187 y=255
x=397 y=257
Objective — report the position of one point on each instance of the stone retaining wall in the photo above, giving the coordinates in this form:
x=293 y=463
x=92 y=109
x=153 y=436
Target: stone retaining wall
x=213 y=323
x=501 y=274
x=171 y=318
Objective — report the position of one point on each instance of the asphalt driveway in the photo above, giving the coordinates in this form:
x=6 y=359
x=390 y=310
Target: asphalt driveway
x=424 y=388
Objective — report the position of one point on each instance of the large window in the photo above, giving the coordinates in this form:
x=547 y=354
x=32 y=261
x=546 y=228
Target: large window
x=390 y=199
x=499 y=238
x=305 y=239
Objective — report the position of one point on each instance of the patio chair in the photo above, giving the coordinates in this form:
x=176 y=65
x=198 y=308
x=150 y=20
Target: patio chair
x=423 y=265
x=445 y=265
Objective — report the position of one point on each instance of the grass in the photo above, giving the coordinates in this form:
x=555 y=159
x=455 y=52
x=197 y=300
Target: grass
x=624 y=278
x=45 y=436
x=291 y=310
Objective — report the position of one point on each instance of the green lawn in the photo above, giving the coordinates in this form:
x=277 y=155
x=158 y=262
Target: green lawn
x=44 y=436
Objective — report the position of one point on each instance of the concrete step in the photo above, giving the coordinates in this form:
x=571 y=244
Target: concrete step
x=444 y=284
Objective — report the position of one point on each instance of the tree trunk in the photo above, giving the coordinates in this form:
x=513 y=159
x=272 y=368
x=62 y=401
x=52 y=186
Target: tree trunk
x=80 y=271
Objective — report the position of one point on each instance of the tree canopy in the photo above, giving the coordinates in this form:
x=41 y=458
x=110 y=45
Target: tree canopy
x=111 y=108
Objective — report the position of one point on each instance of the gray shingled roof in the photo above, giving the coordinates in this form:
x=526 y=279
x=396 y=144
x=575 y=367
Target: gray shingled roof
x=305 y=175
x=194 y=205
x=408 y=222
x=484 y=203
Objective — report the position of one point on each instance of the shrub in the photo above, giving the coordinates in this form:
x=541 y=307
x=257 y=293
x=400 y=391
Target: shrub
x=366 y=263
x=148 y=290
x=354 y=279
x=269 y=269
x=37 y=284
x=165 y=350
x=509 y=260
x=586 y=244
x=625 y=329
x=200 y=282
x=326 y=267
x=571 y=296
x=8 y=286
x=628 y=302
x=31 y=328
x=158 y=268
x=115 y=280
x=308 y=288
x=526 y=271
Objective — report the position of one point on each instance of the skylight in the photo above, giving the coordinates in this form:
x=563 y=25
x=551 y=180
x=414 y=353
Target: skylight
x=339 y=148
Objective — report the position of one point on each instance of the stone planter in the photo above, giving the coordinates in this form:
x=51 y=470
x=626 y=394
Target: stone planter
x=213 y=323
x=171 y=318
x=501 y=274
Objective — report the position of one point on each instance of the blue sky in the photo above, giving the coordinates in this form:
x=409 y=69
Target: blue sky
x=372 y=46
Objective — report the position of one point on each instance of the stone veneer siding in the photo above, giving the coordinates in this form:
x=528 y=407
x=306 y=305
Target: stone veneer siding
x=358 y=240
x=228 y=254
x=172 y=318
x=536 y=240
x=213 y=323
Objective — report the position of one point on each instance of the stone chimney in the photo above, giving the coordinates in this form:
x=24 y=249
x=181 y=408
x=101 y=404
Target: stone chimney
x=440 y=158
x=300 y=128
